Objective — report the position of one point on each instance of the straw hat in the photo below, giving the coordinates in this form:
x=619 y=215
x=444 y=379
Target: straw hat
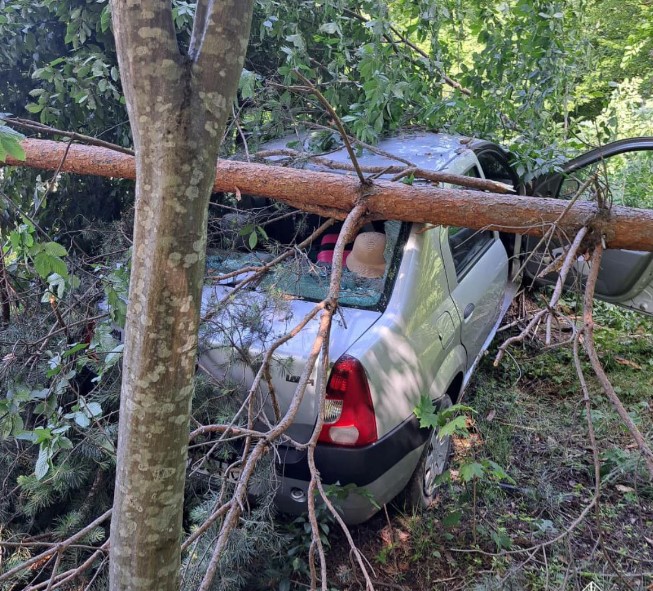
x=366 y=257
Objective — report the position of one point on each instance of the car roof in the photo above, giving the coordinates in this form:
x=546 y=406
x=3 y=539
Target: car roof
x=433 y=151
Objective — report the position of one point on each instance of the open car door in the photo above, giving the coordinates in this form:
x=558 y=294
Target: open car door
x=625 y=170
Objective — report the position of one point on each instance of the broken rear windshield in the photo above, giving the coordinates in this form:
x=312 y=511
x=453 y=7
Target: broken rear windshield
x=305 y=273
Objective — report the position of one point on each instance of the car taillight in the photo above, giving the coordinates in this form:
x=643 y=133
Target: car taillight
x=348 y=411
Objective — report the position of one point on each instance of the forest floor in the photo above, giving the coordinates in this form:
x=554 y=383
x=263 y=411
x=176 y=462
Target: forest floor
x=526 y=534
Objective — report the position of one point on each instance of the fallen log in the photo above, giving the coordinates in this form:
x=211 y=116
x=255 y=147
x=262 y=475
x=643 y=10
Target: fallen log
x=336 y=194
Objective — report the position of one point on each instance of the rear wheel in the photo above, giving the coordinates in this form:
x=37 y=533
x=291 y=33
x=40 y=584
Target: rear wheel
x=422 y=486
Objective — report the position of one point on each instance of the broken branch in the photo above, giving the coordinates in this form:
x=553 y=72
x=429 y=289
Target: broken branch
x=316 y=191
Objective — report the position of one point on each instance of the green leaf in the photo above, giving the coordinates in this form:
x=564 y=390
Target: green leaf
x=498 y=473
x=456 y=426
x=5 y=428
x=17 y=425
x=94 y=408
x=501 y=539
x=82 y=420
x=57 y=286
x=42 y=434
x=12 y=147
x=74 y=349
x=329 y=28
x=247 y=84
x=253 y=240
x=55 y=249
x=297 y=40
x=46 y=264
x=42 y=464
x=113 y=356
x=472 y=470
x=27 y=436
x=10 y=143
x=41 y=394
x=425 y=412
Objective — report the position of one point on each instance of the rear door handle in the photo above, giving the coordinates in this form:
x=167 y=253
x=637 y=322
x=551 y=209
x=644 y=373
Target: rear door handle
x=469 y=309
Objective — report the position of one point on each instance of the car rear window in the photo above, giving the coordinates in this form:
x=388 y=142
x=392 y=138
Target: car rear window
x=242 y=239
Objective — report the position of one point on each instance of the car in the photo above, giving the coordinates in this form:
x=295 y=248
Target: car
x=417 y=328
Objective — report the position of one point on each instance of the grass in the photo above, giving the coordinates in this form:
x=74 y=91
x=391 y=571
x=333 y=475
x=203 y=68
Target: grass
x=531 y=421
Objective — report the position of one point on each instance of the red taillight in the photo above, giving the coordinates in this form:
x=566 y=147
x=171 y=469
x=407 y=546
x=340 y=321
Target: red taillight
x=348 y=412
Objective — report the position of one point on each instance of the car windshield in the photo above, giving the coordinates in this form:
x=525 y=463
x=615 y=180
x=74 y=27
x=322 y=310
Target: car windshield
x=247 y=242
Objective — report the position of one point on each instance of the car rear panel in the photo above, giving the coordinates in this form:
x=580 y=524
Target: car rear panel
x=247 y=327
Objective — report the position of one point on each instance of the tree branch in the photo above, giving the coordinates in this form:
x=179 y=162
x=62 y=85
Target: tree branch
x=399 y=171
x=338 y=123
x=28 y=125
x=447 y=79
x=590 y=349
x=56 y=548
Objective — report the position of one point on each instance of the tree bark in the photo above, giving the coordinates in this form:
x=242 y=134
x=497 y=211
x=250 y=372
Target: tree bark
x=178 y=106
x=316 y=191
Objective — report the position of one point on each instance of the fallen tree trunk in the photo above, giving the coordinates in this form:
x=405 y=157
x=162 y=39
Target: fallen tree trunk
x=336 y=195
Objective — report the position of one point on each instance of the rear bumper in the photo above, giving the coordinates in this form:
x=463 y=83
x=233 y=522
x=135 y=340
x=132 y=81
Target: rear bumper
x=381 y=470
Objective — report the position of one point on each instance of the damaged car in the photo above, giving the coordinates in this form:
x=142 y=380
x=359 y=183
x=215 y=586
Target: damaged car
x=418 y=307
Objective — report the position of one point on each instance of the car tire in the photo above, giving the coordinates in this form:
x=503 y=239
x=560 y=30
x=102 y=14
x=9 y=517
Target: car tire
x=421 y=489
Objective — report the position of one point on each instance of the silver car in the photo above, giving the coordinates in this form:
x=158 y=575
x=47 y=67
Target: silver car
x=415 y=329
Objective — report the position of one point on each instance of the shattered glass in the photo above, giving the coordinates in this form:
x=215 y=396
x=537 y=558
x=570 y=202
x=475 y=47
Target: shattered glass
x=299 y=276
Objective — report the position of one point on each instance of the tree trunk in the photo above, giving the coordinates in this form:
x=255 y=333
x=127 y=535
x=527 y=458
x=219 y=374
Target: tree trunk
x=178 y=105
x=336 y=194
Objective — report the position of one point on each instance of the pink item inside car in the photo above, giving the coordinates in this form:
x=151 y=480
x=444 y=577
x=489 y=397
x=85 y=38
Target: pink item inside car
x=327 y=245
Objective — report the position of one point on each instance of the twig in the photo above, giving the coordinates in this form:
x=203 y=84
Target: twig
x=574 y=524
x=236 y=117
x=588 y=325
x=55 y=568
x=399 y=171
x=590 y=349
x=546 y=237
x=355 y=140
x=337 y=121
x=89 y=587
x=557 y=293
x=46 y=129
x=260 y=271
x=56 y=548
x=73 y=573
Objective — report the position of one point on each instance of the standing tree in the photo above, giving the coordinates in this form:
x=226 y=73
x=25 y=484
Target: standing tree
x=178 y=104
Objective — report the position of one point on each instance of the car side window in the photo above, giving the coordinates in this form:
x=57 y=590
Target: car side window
x=467 y=245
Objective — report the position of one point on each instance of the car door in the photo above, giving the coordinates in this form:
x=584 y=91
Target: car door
x=477 y=271
x=625 y=169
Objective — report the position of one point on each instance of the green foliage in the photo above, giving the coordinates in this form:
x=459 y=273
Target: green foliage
x=10 y=143
x=254 y=233
x=60 y=390
x=59 y=62
x=447 y=421
x=300 y=538
x=483 y=470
